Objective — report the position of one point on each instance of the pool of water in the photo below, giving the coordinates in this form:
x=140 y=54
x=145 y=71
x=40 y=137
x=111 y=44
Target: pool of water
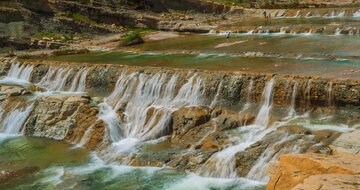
x=62 y=166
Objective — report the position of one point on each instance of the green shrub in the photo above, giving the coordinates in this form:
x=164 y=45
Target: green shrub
x=130 y=37
x=78 y=16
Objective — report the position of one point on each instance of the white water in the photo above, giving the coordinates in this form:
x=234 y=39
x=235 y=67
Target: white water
x=330 y=93
x=14 y=121
x=147 y=102
x=222 y=164
x=56 y=79
x=248 y=98
x=216 y=99
x=79 y=81
x=308 y=93
x=292 y=111
x=20 y=71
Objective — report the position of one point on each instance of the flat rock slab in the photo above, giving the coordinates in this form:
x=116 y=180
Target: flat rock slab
x=294 y=169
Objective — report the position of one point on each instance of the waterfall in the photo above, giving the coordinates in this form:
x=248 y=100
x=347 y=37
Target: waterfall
x=79 y=81
x=263 y=116
x=15 y=119
x=258 y=171
x=329 y=93
x=222 y=164
x=308 y=94
x=357 y=13
x=147 y=102
x=20 y=71
x=56 y=79
x=248 y=98
x=292 y=111
x=297 y=14
x=338 y=31
x=216 y=99
x=86 y=137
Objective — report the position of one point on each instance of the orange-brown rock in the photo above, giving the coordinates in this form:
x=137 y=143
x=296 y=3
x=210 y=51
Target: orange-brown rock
x=294 y=169
x=330 y=181
x=8 y=175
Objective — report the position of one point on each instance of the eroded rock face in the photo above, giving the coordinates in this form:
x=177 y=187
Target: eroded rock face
x=54 y=116
x=294 y=169
x=11 y=91
x=186 y=119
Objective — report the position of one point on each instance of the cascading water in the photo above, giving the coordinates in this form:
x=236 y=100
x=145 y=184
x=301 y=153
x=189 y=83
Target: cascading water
x=248 y=98
x=15 y=119
x=79 y=81
x=308 y=94
x=222 y=164
x=292 y=111
x=329 y=93
x=147 y=102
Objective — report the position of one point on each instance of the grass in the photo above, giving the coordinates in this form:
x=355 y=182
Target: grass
x=82 y=18
x=130 y=37
x=134 y=33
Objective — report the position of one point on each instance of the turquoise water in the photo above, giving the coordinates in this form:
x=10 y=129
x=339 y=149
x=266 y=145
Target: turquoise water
x=62 y=166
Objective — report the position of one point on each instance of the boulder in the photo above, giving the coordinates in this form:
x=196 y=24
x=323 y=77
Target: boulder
x=330 y=181
x=54 y=116
x=294 y=169
x=9 y=91
x=187 y=118
x=347 y=143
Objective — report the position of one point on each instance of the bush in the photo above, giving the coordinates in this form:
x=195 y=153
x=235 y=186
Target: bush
x=78 y=16
x=130 y=37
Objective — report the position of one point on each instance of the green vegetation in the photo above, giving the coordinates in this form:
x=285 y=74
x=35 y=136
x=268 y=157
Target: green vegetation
x=130 y=37
x=8 y=4
x=82 y=18
x=134 y=33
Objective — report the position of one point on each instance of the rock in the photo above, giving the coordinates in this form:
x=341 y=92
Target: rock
x=294 y=169
x=54 y=116
x=284 y=140
x=330 y=181
x=187 y=118
x=347 y=143
x=8 y=175
x=136 y=41
x=10 y=91
x=209 y=145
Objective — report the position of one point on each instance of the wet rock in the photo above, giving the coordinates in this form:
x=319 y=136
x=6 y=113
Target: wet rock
x=10 y=91
x=136 y=41
x=330 y=181
x=88 y=131
x=294 y=169
x=187 y=118
x=347 y=143
x=9 y=175
x=54 y=116
x=226 y=120
x=284 y=140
